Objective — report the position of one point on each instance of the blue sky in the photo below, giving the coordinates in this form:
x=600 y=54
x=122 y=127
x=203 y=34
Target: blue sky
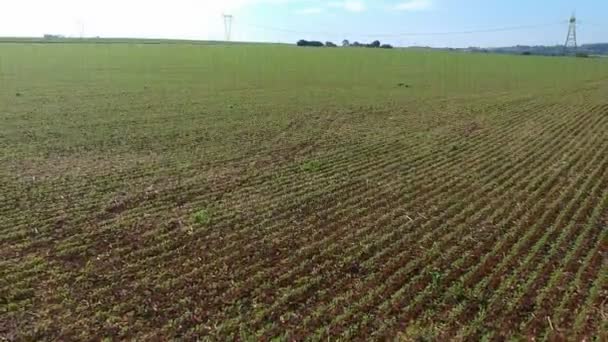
x=365 y=20
x=399 y=22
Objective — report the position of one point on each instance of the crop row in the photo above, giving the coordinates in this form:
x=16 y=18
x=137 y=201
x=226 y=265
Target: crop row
x=490 y=229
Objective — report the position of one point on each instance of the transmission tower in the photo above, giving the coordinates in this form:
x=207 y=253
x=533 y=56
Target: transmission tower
x=571 y=38
x=228 y=26
x=80 y=27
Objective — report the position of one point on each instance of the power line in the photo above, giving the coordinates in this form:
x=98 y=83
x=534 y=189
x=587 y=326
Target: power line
x=408 y=34
x=492 y=30
x=268 y=28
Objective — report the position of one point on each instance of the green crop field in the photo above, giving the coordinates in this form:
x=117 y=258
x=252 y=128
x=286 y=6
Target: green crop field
x=207 y=191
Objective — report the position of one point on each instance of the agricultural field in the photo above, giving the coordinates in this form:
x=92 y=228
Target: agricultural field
x=251 y=192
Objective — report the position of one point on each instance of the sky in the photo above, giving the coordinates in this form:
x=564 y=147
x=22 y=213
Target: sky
x=437 y=23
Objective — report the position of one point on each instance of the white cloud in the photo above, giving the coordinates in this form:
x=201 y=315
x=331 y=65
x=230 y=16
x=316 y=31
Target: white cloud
x=415 y=5
x=349 y=5
x=310 y=10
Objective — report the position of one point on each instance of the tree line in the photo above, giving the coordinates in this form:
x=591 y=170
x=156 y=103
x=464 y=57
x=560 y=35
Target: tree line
x=374 y=45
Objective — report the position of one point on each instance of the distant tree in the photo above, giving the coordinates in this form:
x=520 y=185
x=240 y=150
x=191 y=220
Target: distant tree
x=386 y=46
x=330 y=44
x=526 y=53
x=313 y=43
x=345 y=43
x=356 y=44
x=375 y=44
x=582 y=55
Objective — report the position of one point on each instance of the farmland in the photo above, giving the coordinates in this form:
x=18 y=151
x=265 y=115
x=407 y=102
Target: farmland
x=259 y=191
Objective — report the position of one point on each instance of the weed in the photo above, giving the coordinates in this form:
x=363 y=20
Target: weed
x=436 y=277
x=311 y=166
x=202 y=217
x=457 y=292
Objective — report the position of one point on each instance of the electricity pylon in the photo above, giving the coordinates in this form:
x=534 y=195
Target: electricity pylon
x=571 y=38
x=228 y=26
